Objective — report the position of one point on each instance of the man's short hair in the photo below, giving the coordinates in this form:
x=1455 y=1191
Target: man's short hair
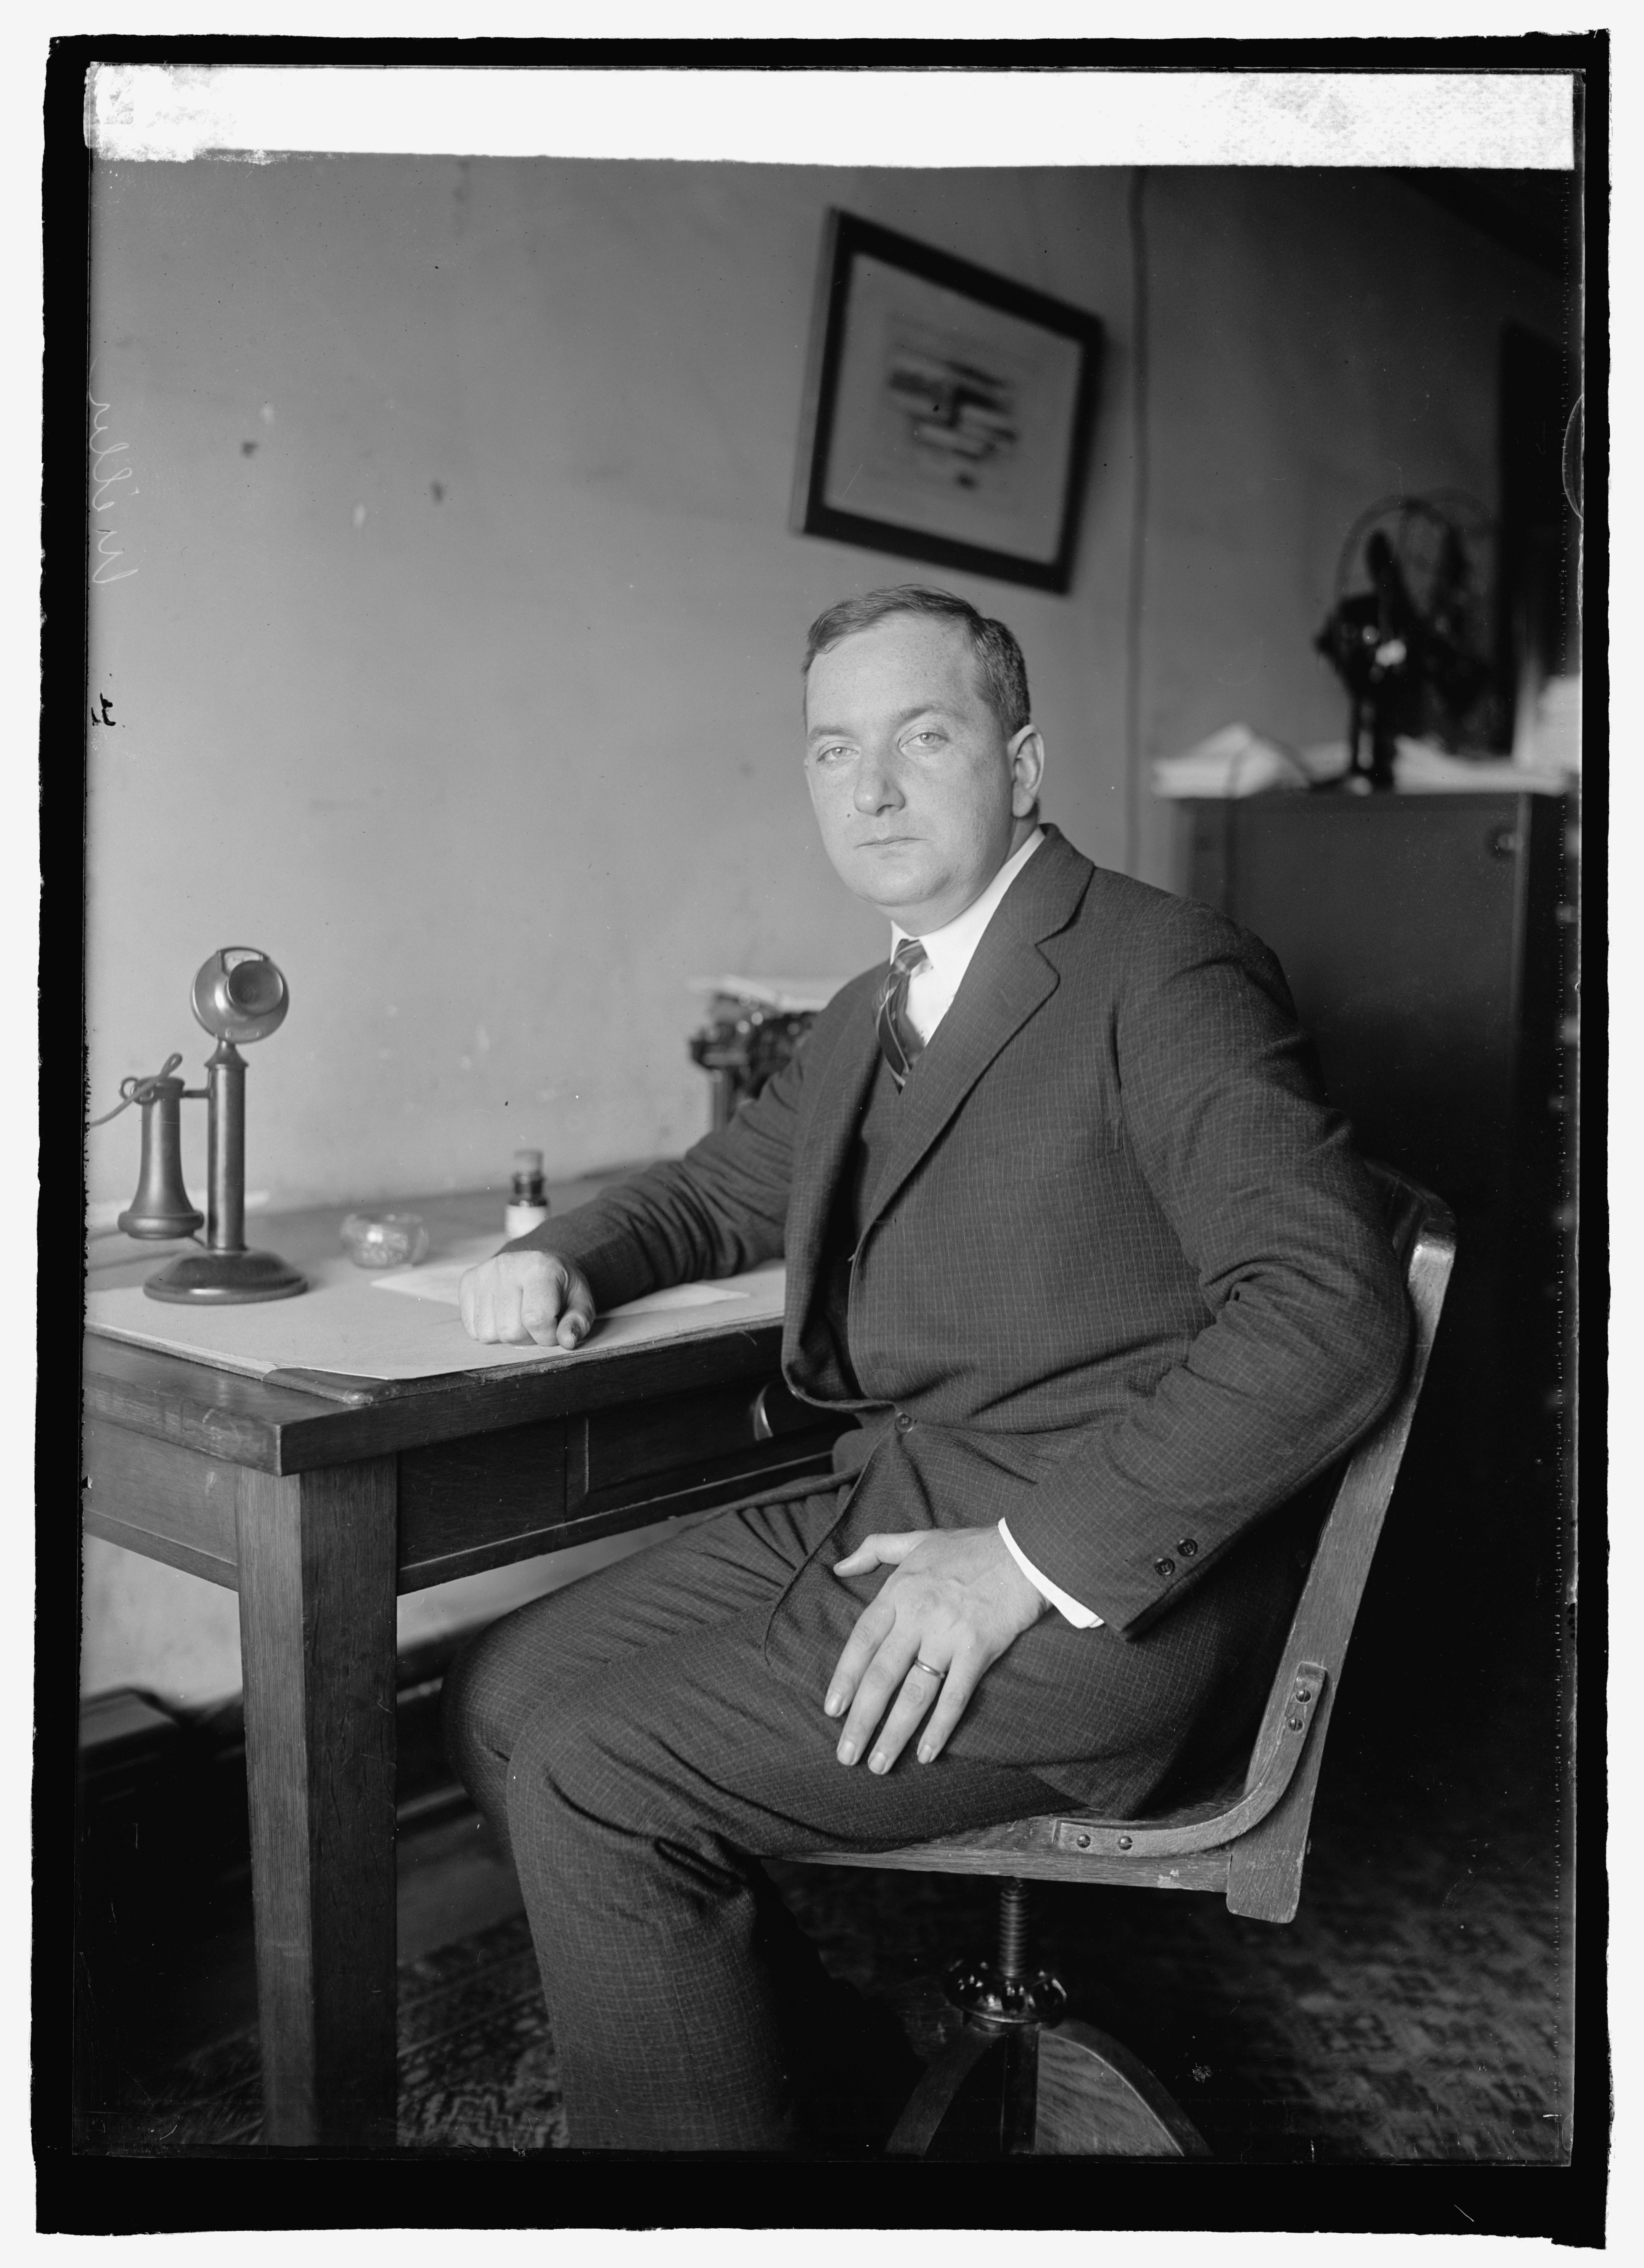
x=1002 y=672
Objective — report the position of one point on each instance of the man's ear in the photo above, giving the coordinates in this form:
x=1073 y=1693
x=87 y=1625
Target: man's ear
x=1026 y=751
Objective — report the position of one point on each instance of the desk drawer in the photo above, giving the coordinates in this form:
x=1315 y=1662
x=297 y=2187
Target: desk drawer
x=479 y=1502
x=494 y=1498
x=679 y=1443
x=644 y=1437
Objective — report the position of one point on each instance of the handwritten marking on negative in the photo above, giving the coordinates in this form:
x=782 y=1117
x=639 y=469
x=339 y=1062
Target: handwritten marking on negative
x=104 y=493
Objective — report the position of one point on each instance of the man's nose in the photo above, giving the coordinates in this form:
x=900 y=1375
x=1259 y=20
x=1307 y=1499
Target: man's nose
x=876 y=787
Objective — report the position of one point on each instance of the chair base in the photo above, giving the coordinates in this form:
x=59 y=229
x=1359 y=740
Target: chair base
x=1030 y=2090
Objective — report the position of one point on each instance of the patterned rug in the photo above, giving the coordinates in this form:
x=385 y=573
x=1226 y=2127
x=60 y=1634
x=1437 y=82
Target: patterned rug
x=476 y=2062
x=1415 y=2010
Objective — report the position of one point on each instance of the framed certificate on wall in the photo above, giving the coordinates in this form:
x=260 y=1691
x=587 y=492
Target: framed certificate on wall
x=948 y=410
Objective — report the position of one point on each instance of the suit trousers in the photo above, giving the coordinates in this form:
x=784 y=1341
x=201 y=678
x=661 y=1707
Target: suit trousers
x=629 y=1740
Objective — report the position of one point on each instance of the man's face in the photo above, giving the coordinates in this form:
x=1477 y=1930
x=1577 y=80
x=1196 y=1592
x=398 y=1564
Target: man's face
x=919 y=794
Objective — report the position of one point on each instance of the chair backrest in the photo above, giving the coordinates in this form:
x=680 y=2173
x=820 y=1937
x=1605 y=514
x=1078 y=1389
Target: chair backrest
x=1265 y=1870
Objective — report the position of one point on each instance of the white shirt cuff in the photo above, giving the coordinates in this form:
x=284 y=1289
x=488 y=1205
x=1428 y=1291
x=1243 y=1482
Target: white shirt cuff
x=1080 y=1618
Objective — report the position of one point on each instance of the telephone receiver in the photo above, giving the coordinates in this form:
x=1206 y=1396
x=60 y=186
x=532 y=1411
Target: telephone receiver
x=238 y=996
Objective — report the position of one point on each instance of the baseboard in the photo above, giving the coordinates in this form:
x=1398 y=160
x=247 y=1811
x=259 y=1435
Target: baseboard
x=163 y=1833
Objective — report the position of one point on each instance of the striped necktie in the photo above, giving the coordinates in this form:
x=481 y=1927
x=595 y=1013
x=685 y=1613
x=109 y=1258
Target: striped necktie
x=899 y=1044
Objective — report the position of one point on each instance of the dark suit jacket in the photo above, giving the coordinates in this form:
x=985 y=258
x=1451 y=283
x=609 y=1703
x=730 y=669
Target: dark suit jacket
x=1122 y=1280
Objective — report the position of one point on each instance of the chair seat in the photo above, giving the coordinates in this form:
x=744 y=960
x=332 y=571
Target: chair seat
x=1088 y=1846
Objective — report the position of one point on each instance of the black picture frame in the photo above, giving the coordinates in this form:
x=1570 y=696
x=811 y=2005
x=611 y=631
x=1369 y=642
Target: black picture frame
x=991 y=478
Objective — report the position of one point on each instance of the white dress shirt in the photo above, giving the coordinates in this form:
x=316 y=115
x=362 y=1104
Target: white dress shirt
x=930 y=991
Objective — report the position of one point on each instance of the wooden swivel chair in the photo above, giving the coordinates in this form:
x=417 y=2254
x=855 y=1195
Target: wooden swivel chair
x=1056 y=2085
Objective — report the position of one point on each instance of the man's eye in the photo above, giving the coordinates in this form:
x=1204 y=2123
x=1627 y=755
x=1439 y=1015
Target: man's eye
x=831 y=754
x=919 y=739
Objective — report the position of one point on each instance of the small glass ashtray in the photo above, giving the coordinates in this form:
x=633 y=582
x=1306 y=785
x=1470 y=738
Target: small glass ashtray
x=385 y=1240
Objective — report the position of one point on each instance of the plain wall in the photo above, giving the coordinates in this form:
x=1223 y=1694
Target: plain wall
x=459 y=669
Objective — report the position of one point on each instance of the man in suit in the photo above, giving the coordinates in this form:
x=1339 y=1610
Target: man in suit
x=1071 y=1234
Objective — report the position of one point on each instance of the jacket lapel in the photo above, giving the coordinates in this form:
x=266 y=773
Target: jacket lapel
x=841 y=1092
x=1006 y=981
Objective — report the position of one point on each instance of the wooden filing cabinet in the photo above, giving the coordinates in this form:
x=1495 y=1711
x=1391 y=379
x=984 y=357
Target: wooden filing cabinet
x=1429 y=942
x=1422 y=940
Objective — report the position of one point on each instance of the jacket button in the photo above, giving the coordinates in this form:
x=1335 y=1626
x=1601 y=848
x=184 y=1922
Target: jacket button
x=1186 y=1548
x=1164 y=1566
x=904 y=1423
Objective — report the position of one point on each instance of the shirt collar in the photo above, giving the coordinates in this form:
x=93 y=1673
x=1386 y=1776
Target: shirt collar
x=951 y=946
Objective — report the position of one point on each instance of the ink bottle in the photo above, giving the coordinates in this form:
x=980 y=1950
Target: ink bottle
x=527 y=1206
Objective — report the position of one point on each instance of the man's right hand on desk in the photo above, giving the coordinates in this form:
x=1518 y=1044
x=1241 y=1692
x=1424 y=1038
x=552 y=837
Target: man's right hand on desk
x=527 y=1299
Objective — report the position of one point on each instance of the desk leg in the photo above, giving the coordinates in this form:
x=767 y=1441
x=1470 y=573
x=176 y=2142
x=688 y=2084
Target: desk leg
x=317 y=1644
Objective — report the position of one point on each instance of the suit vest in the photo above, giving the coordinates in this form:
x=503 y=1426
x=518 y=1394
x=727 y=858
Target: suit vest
x=875 y=1133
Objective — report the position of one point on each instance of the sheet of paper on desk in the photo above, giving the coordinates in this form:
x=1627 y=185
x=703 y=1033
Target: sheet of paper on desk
x=340 y=1326
x=440 y=1282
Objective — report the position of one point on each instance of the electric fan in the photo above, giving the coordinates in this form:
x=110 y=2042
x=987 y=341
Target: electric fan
x=1409 y=631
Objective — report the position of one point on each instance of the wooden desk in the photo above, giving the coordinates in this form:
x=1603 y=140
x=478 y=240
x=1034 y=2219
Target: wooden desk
x=317 y=1513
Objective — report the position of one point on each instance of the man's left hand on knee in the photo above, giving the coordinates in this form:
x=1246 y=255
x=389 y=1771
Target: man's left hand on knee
x=954 y=1602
